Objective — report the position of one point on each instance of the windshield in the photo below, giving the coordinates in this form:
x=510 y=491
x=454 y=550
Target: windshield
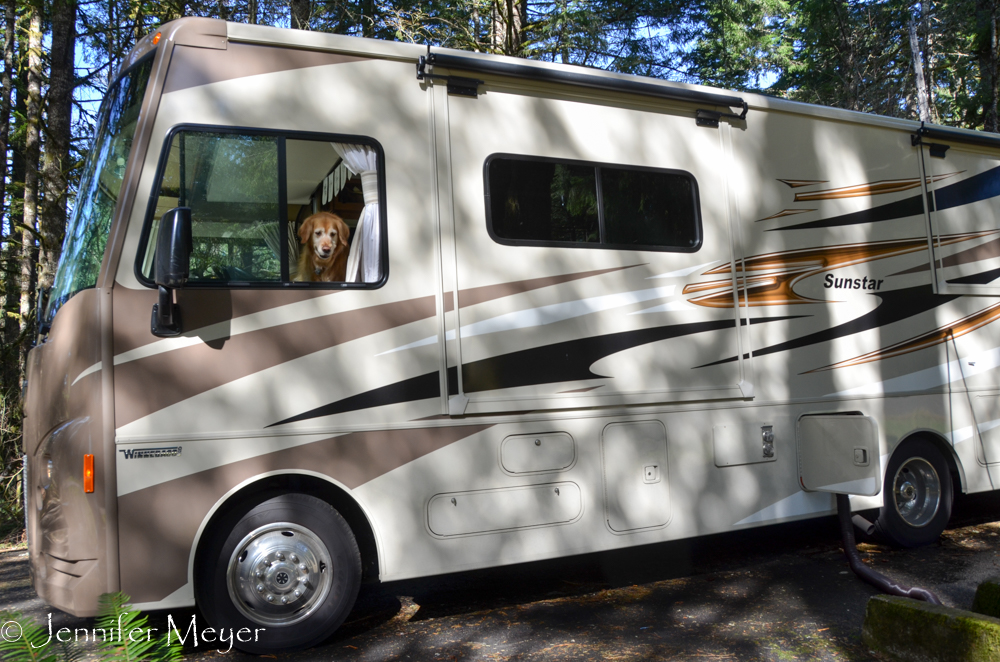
x=100 y=183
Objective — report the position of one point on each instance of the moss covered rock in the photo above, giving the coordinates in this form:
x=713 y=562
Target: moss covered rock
x=915 y=631
x=987 y=600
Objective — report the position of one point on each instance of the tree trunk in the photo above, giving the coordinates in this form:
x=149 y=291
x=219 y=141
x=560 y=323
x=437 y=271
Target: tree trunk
x=929 y=42
x=987 y=32
x=56 y=167
x=11 y=289
x=368 y=18
x=33 y=121
x=15 y=210
x=507 y=24
x=918 y=70
x=300 y=12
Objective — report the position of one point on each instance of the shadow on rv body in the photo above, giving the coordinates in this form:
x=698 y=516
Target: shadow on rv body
x=708 y=496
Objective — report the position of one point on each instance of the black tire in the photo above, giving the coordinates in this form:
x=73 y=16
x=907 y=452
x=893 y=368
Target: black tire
x=305 y=553
x=916 y=495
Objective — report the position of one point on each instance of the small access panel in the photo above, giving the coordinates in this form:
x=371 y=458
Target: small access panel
x=743 y=443
x=547 y=452
x=636 y=485
x=838 y=453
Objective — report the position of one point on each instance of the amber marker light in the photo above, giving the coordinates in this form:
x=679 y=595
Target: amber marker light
x=156 y=40
x=88 y=473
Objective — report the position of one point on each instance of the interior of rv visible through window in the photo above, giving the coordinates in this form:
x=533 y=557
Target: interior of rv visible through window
x=272 y=209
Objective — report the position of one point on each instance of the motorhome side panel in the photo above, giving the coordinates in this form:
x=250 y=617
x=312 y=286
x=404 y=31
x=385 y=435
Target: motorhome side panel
x=62 y=423
x=350 y=384
x=614 y=333
x=264 y=362
x=836 y=233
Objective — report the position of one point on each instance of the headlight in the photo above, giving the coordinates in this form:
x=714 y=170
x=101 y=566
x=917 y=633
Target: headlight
x=46 y=472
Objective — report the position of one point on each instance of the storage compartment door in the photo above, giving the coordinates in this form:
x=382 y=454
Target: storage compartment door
x=839 y=453
x=636 y=477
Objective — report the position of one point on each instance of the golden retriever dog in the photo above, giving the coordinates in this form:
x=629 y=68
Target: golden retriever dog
x=323 y=254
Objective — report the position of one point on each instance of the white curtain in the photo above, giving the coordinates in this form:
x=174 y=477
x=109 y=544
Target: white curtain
x=363 y=260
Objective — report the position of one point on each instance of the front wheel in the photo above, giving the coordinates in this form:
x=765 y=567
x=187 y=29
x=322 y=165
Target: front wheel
x=285 y=575
x=916 y=496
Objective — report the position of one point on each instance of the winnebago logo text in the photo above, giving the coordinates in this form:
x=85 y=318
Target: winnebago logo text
x=142 y=453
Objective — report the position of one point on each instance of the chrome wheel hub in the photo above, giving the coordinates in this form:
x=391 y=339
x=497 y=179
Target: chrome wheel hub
x=916 y=491
x=279 y=573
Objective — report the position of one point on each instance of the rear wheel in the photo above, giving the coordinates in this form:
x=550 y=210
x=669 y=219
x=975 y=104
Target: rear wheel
x=285 y=575
x=917 y=495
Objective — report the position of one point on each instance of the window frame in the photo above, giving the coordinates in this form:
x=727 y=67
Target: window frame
x=281 y=136
x=599 y=245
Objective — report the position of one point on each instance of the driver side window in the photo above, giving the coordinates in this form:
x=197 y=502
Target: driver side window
x=273 y=210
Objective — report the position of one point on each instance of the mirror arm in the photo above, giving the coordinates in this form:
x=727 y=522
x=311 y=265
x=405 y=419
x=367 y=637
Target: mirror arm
x=166 y=321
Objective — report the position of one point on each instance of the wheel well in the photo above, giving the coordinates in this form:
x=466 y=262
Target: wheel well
x=259 y=491
x=957 y=476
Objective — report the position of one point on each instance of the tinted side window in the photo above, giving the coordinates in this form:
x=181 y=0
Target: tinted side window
x=646 y=208
x=545 y=202
x=269 y=209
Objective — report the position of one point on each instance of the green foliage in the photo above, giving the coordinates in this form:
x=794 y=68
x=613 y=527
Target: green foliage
x=11 y=487
x=735 y=43
x=133 y=639
x=124 y=636
x=25 y=641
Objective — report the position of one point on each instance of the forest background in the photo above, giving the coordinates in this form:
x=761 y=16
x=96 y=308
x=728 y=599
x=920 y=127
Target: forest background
x=934 y=61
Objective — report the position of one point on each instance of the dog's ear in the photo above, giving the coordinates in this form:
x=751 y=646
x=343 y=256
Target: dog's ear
x=306 y=230
x=343 y=233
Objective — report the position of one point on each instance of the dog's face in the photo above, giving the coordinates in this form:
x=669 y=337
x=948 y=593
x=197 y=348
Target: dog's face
x=325 y=233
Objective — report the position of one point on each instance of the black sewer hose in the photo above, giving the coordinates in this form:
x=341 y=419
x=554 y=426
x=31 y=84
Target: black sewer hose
x=881 y=582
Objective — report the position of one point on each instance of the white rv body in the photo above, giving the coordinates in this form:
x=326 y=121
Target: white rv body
x=489 y=401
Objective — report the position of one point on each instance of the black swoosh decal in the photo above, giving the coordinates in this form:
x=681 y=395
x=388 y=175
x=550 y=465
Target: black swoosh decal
x=571 y=361
x=896 y=305
x=983 y=186
x=548 y=364
x=900 y=209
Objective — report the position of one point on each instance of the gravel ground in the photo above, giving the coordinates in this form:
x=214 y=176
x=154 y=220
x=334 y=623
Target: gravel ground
x=779 y=593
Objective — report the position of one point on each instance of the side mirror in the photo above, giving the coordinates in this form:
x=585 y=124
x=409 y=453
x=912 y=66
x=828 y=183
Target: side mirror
x=172 y=260
x=171 y=268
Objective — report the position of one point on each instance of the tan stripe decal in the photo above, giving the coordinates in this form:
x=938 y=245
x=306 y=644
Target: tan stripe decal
x=193 y=67
x=880 y=187
x=583 y=390
x=200 y=307
x=930 y=339
x=986 y=251
x=796 y=183
x=160 y=522
x=155 y=382
x=783 y=213
x=475 y=295
x=146 y=385
x=786 y=268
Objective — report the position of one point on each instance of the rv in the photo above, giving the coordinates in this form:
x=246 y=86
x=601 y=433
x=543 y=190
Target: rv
x=581 y=311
